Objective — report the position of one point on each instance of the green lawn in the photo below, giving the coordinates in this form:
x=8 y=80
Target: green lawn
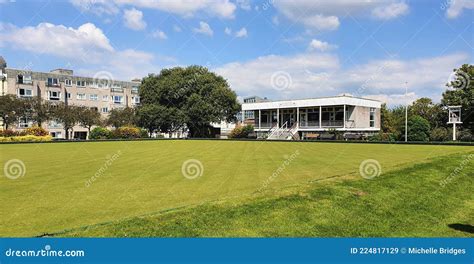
x=144 y=178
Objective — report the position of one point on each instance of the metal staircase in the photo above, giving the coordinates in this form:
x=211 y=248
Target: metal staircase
x=284 y=132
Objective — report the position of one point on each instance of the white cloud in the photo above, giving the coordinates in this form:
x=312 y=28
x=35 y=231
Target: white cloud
x=391 y=11
x=395 y=99
x=244 y=4
x=86 y=48
x=324 y=15
x=177 y=28
x=204 y=29
x=186 y=8
x=159 y=34
x=133 y=19
x=320 y=45
x=319 y=74
x=98 y=7
x=242 y=33
x=456 y=7
x=228 y=31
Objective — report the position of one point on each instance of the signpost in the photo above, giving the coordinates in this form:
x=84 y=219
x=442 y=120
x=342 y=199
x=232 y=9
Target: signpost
x=454 y=115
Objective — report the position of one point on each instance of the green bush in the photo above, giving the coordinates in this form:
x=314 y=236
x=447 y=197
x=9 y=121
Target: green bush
x=100 y=133
x=127 y=132
x=390 y=137
x=418 y=129
x=27 y=138
x=465 y=135
x=439 y=134
x=8 y=133
x=36 y=131
x=144 y=133
x=241 y=131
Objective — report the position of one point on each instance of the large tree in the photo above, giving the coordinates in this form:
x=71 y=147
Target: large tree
x=10 y=109
x=88 y=117
x=39 y=110
x=156 y=117
x=461 y=92
x=122 y=117
x=67 y=115
x=425 y=108
x=199 y=97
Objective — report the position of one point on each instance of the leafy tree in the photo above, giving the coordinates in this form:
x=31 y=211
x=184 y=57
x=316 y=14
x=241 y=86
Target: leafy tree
x=67 y=115
x=10 y=109
x=122 y=117
x=88 y=117
x=388 y=120
x=439 y=134
x=418 y=129
x=461 y=93
x=425 y=108
x=195 y=96
x=157 y=117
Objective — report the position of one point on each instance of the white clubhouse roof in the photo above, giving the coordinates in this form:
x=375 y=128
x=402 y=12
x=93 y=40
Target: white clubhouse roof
x=322 y=101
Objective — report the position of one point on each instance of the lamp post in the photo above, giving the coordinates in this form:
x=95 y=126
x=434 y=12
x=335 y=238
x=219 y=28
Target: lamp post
x=406 y=111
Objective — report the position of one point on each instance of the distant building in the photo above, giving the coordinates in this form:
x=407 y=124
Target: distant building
x=312 y=118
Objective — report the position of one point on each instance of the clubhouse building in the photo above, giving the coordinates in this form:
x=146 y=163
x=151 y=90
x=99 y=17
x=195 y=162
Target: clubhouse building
x=321 y=118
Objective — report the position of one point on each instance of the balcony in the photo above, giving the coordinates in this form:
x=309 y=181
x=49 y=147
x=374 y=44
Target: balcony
x=116 y=90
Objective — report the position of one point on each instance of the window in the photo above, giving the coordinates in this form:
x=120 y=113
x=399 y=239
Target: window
x=54 y=95
x=23 y=122
x=81 y=96
x=81 y=83
x=372 y=117
x=25 y=92
x=68 y=95
x=68 y=82
x=104 y=110
x=134 y=89
x=54 y=124
x=55 y=134
x=53 y=81
x=24 y=79
x=135 y=99
x=105 y=98
x=93 y=97
x=118 y=99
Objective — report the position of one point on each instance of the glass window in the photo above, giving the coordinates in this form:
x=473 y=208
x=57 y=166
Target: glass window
x=81 y=96
x=372 y=117
x=93 y=97
x=118 y=99
x=25 y=92
x=68 y=82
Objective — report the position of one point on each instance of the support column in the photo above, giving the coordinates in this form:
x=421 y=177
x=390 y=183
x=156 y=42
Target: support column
x=320 y=116
x=278 y=117
x=259 y=119
x=297 y=117
x=344 y=118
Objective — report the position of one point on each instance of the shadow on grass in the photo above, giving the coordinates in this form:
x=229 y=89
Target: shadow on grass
x=462 y=228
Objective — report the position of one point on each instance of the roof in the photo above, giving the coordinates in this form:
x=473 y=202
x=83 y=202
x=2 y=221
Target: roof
x=322 y=101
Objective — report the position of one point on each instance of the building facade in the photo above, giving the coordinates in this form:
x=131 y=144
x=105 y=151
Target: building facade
x=314 y=118
x=61 y=85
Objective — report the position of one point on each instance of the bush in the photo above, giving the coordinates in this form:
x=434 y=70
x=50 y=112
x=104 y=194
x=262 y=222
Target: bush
x=465 y=135
x=241 y=131
x=36 y=131
x=390 y=137
x=27 y=138
x=439 y=134
x=127 y=132
x=100 y=133
x=8 y=133
x=144 y=133
x=418 y=129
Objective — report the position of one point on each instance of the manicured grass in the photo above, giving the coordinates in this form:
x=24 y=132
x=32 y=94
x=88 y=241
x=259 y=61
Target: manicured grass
x=405 y=203
x=145 y=177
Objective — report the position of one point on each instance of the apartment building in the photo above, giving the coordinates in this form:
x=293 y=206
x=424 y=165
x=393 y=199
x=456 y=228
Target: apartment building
x=61 y=85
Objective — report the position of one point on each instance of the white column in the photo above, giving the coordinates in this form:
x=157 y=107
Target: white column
x=320 y=116
x=344 y=122
x=297 y=117
x=259 y=119
x=278 y=117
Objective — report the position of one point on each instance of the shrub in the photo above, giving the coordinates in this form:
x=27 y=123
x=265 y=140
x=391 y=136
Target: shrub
x=418 y=129
x=36 y=131
x=8 y=133
x=27 y=138
x=144 y=133
x=465 y=135
x=241 y=131
x=127 y=132
x=439 y=134
x=390 y=137
x=100 y=133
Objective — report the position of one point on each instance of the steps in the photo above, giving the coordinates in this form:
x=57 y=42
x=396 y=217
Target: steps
x=283 y=133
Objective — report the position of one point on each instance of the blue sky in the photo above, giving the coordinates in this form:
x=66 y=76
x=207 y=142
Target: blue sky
x=278 y=49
